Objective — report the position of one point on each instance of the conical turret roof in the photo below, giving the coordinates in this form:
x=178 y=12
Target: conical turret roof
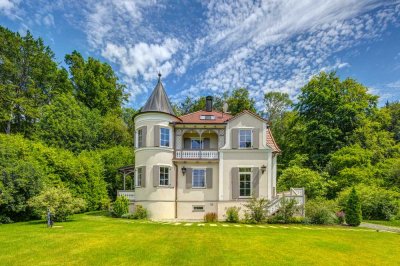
x=158 y=100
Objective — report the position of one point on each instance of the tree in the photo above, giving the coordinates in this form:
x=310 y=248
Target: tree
x=239 y=101
x=95 y=83
x=276 y=103
x=59 y=201
x=353 y=209
x=331 y=111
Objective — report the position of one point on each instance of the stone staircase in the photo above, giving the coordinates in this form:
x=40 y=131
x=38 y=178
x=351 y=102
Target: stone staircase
x=293 y=193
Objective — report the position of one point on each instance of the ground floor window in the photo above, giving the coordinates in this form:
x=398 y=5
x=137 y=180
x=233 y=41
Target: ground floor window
x=198 y=208
x=199 y=178
x=244 y=182
x=139 y=174
x=164 y=176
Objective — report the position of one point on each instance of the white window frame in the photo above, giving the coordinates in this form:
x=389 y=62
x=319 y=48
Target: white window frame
x=199 y=139
x=251 y=138
x=169 y=176
x=251 y=181
x=169 y=137
x=139 y=139
x=205 y=178
x=137 y=176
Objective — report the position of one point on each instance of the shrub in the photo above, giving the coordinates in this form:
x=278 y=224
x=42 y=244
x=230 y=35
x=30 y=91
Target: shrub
x=210 y=217
x=340 y=217
x=140 y=212
x=353 y=209
x=120 y=206
x=320 y=211
x=60 y=202
x=232 y=214
x=256 y=210
x=286 y=211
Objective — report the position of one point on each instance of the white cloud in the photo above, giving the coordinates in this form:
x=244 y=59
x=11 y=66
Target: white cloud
x=9 y=8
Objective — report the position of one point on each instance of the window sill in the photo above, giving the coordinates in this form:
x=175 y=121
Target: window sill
x=199 y=188
x=245 y=197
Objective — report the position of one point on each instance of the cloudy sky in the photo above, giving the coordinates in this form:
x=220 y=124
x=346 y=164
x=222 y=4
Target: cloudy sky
x=207 y=47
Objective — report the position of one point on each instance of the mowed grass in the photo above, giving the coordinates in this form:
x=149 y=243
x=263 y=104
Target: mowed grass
x=394 y=223
x=98 y=240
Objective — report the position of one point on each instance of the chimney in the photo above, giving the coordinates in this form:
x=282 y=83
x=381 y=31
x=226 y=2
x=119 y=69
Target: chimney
x=209 y=103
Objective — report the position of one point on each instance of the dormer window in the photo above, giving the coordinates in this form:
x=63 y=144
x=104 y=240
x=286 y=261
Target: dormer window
x=207 y=117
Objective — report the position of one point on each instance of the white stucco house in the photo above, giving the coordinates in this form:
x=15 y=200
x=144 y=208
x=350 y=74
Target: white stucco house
x=201 y=162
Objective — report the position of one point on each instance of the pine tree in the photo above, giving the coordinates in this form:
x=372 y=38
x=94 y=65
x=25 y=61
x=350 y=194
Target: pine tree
x=353 y=209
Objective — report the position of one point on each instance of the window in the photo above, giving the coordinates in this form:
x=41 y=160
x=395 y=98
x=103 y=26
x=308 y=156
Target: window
x=196 y=144
x=164 y=137
x=207 y=117
x=199 y=178
x=140 y=138
x=164 y=176
x=139 y=175
x=245 y=138
x=245 y=182
x=198 y=208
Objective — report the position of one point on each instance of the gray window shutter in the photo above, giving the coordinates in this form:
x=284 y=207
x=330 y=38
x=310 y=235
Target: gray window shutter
x=171 y=178
x=156 y=176
x=186 y=144
x=209 y=177
x=143 y=176
x=188 y=178
x=256 y=181
x=156 y=136
x=235 y=138
x=206 y=144
x=235 y=182
x=256 y=138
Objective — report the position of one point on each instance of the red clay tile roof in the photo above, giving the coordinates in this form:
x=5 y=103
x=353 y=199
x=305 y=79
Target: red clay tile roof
x=194 y=118
x=271 y=142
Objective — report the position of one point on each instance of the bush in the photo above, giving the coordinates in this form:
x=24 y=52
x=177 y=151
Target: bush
x=210 y=217
x=232 y=214
x=320 y=211
x=120 y=206
x=286 y=211
x=340 y=217
x=60 y=202
x=256 y=210
x=5 y=220
x=140 y=212
x=353 y=209
x=376 y=203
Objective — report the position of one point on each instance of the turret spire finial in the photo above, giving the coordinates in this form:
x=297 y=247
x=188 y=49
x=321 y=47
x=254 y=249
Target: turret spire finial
x=159 y=75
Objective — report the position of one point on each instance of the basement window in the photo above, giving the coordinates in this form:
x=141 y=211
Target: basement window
x=207 y=117
x=198 y=208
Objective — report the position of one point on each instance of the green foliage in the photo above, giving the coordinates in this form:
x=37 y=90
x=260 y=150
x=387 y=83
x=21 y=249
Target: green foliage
x=59 y=201
x=140 y=212
x=210 y=217
x=314 y=184
x=120 y=206
x=239 y=101
x=286 y=212
x=276 y=103
x=256 y=210
x=232 y=214
x=353 y=209
x=376 y=203
x=321 y=211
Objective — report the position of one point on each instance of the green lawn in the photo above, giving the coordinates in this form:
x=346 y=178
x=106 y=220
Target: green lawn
x=395 y=223
x=99 y=240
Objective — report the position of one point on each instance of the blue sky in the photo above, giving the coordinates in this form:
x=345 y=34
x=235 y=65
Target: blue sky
x=208 y=47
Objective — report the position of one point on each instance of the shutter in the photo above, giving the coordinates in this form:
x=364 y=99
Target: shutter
x=189 y=178
x=206 y=143
x=143 y=176
x=144 y=136
x=171 y=178
x=186 y=144
x=156 y=176
x=235 y=138
x=235 y=182
x=156 y=136
x=256 y=181
x=209 y=177
x=256 y=138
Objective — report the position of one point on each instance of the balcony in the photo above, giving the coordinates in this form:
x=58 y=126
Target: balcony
x=197 y=154
x=130 y=194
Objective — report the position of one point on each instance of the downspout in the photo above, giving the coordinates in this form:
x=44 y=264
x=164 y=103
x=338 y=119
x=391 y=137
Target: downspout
x=176 y=190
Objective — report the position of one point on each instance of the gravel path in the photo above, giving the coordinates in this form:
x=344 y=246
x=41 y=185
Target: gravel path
x=381 y=227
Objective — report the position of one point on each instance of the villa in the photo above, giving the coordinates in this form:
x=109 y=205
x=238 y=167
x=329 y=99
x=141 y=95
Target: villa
x=201 y=162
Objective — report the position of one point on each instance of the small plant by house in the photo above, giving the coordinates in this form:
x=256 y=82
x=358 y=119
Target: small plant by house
x=286 y=212
x=140 y=213
x=353 y=209
x=321 y=211
x=120 y=206
x=210 y=217
x=256 y=210
x=232 y=214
